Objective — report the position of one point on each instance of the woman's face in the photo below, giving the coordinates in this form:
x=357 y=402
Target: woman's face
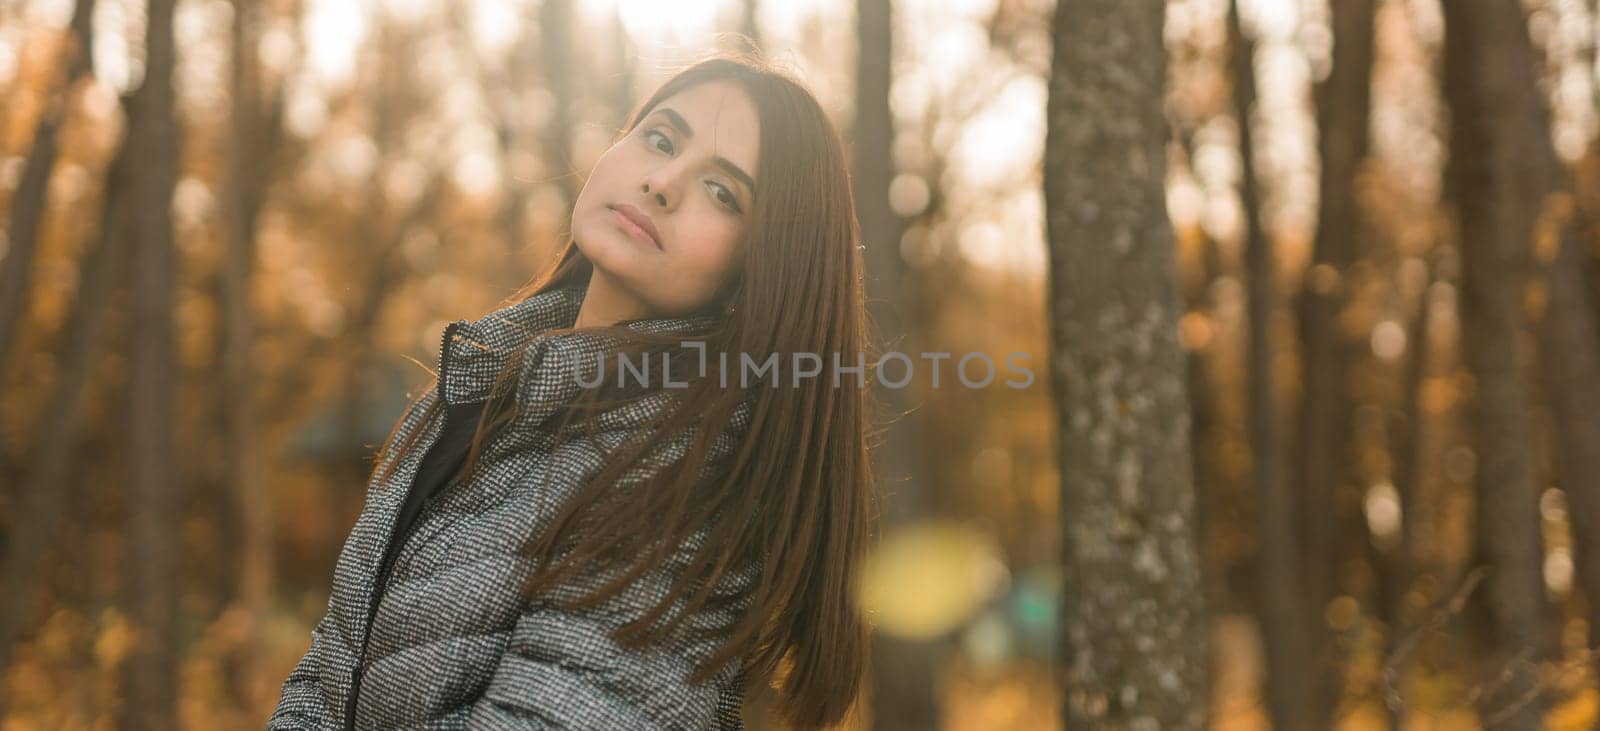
x=662 y=213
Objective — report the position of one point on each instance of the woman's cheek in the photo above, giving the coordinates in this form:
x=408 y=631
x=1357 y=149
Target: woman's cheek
x=702 y=267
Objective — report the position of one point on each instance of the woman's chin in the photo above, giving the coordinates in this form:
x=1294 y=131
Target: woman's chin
x=606 y=241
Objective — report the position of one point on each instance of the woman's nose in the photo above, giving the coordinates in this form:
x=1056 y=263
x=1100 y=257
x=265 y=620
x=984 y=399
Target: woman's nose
x=664 y=185
x=655 y=193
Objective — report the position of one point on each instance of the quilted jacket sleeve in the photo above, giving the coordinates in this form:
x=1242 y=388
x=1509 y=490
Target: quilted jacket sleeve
x=301 y=705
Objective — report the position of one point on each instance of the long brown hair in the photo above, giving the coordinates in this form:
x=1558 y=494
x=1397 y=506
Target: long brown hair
x=796 y=496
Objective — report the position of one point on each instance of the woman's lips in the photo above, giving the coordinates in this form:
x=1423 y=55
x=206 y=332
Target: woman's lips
x=628 y=224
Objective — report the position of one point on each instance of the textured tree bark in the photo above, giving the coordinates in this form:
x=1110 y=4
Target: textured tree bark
x=154 y=498
x=1343 y=109
x=28 y=204
x=1280 y=593
x=1496 y=175
x=1134 y=651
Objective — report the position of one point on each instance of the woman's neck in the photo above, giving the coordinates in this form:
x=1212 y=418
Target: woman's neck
x=605 y=303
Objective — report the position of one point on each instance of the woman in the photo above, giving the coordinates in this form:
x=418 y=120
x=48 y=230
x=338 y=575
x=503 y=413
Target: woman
x=556 y=538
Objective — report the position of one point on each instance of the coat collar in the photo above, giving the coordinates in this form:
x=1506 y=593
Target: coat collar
x=474 y=351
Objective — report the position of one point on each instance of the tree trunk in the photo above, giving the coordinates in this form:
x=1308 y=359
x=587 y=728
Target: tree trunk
x=255 y=128
x=1569 y=338
x=28 y=204
x=749 y=25
x=904 y=670
x=1396 y=569
x=1343 y=108
x=506 y=94
x=154 y=498
x=377 y=231
x=1570 y=341
x=1280 y=593
x=1134 y=649
x=872 y=144
x=1488 y=76
x=627 y=68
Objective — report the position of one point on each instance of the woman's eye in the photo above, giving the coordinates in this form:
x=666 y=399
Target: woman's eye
x=726 y=197
x=663 y=137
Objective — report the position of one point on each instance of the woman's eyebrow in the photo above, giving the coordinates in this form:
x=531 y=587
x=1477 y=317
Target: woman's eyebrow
x=727 y=165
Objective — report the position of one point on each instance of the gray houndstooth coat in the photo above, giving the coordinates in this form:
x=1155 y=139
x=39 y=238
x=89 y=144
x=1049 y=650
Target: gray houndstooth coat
x=450 y=644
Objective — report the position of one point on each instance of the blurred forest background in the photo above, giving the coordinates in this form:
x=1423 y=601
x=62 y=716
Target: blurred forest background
x=234 y=231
